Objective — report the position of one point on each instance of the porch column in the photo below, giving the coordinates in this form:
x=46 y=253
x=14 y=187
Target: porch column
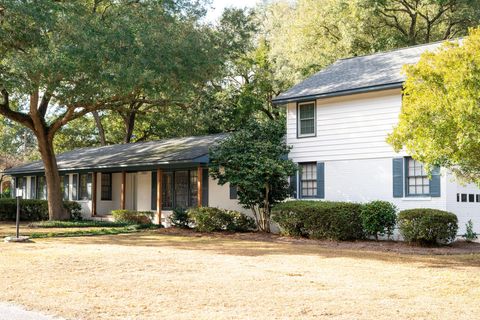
x=94 y=195
x=123 y=190
x=199 y=186
x=159 y=195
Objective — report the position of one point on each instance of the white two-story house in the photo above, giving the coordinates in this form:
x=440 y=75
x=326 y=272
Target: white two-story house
x=337 y=123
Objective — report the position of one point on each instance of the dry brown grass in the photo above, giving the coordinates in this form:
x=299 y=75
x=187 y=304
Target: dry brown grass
x=153 y=275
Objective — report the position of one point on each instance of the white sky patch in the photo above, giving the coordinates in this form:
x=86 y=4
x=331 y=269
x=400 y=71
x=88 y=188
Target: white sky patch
x=218 y=6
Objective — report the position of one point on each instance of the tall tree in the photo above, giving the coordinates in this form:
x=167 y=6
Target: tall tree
x=440 y=119
x=67 y=59
x=307 y=35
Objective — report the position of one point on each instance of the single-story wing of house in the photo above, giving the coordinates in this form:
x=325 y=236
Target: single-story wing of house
x=157 y=176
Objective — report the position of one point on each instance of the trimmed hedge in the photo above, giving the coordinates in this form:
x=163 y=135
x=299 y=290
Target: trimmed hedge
x=428 y=226
x=33 y=210
x=208 y=219
x=378 y=218
x=320 y=219
x=179 y=218
x=132 y=216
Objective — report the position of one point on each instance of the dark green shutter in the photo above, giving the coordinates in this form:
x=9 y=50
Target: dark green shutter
x=320 y=180
x=398 y=177
x=205 y=187
x=293 y=186
x=435 y=182
x=153 y=203
x=233 y=191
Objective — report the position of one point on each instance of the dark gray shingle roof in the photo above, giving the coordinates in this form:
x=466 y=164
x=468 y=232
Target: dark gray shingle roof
x=376 y=71
x=145 y=154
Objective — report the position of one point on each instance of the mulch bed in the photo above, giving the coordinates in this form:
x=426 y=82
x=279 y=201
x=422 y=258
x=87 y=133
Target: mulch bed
x=456 y=248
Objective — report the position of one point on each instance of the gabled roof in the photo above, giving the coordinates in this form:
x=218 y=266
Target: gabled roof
x=145 y=155
x=358 y=74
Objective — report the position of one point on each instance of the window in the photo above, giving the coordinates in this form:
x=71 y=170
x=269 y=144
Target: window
x=41 y=188
x=75 y=187
x=193 y=188
x=471 y=198
x=85 y=186
x=167 y=183
x=181 y=189
x=477 y=197
x=418 y=183
x=66 y=187
x=306 y=119
x=106 y=186
x=464 y=197
x=33 y=187
x=308 y=183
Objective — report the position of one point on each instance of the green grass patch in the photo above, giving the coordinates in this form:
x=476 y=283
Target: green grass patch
x=78 y=224
x=95 y=232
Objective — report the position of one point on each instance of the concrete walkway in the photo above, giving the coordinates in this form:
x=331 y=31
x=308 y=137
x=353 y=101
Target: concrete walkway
x=13 y=312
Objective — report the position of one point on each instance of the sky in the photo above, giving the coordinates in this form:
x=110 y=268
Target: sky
x=218 y=6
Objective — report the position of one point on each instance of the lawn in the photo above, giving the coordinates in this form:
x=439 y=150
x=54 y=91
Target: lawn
x=159 y=275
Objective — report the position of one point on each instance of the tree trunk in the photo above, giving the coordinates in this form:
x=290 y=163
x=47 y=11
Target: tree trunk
x=129 y=126
x=101 y=131
x=56 y=210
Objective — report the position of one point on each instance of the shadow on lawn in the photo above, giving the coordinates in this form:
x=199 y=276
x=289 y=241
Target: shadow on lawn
x=251 y=245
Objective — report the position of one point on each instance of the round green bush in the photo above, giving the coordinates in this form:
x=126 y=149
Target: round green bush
x=428 y=226
x=320 y=219
x=208 y=219
x=378 y=218
x=132 y=216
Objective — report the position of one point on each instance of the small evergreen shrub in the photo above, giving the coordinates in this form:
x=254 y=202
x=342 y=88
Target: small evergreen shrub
x=378 y=218
x=208 y=219
x=428 y=226
x=33 y=210
x=132 y=216
x=320 y=219
x=179 y=218
x=75 y=210
x=469 y=234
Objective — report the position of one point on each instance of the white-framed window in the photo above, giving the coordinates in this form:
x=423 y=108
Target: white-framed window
x=418 y=183
x=308 y=181
x=306 y=119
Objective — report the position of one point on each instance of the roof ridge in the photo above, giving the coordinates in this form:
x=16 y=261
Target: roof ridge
x=400 y=49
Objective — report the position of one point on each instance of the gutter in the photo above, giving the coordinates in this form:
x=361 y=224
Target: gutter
x=394 y=85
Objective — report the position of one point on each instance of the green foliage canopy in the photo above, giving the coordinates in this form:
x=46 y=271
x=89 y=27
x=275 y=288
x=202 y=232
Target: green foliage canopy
x=254 y=160
x=440 y=118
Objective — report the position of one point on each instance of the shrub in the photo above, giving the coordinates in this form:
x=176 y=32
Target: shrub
x=132 y=216
x=180 y=219
x=33 y=210
x=469 y=234
x=320 y=219
x=208 y=219
x=378 y=218
x=428 y=226
x=240 y=222
x=75 y=210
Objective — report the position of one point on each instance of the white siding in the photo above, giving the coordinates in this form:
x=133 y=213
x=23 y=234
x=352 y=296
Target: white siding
x=353 y=127
x=219 y=196
x=105 y=206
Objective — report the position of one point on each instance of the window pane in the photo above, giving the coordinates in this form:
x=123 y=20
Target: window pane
x=307 y=111
x=167 y=190
x=106 y=186
x=181 y=189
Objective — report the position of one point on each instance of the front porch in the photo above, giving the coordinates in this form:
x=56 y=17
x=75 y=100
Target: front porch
x=159 y=191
